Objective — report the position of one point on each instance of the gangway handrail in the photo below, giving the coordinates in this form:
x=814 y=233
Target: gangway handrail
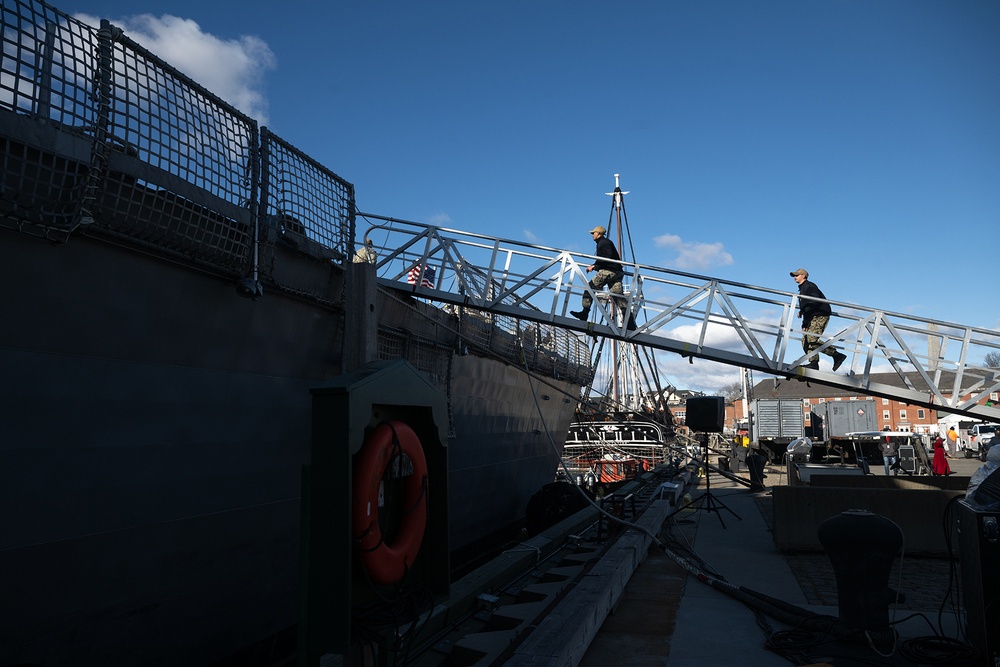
x=690 y=314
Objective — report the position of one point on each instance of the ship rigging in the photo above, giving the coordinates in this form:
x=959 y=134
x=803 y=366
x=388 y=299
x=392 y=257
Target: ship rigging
x=623 y=423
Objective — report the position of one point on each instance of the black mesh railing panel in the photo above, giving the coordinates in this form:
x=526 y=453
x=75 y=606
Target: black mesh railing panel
x=39 y=187
x=168 y=122
x=49 y=60
x=303 y=200
x=181 y=164
x=167 y=220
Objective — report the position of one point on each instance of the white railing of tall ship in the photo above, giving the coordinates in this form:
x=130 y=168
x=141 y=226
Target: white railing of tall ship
x=636 y=439
x=687 y=314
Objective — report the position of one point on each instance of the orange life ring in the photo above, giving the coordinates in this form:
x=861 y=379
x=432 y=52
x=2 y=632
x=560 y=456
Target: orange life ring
x=386 y=563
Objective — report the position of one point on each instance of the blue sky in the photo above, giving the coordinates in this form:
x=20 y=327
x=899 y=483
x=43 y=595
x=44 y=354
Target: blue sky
x=859 y=139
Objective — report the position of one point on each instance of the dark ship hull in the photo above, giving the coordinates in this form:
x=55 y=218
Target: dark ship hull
x=156 y=423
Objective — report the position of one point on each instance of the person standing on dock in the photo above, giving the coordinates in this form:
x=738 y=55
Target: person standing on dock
x=952 y=449
x=608 y=272
x=939 y=465
x=890 y=455
x=815 y=316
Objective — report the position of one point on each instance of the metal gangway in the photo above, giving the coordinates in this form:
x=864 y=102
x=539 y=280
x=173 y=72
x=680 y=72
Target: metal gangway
x=934 y=364
x=104 y=139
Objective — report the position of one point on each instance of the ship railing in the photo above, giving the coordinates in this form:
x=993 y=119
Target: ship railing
x=619 y=431
x=919 y=361
x=105 y=139
x=540 y=347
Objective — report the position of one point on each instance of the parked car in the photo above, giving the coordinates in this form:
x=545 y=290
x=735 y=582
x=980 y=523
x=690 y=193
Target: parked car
x=981 y=436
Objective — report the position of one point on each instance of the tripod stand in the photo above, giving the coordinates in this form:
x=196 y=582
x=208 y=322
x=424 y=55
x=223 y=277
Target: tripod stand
x=707 y=502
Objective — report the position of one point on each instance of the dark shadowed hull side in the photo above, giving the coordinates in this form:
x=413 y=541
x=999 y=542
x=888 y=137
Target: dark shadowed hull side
x=155 y=428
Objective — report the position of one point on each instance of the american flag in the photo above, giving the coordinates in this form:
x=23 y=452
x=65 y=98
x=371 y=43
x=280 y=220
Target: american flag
x=427 y=280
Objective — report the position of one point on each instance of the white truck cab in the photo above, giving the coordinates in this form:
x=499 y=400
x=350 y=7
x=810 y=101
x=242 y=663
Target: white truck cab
x=981 y=438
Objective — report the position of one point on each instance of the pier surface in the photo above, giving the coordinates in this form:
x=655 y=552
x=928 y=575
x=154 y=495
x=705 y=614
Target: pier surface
x=669 y=617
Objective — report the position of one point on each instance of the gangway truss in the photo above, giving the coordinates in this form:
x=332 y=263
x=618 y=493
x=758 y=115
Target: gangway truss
x=939 y=365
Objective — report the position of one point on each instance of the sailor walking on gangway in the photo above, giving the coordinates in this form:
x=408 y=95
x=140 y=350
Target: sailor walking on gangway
x=608 y=273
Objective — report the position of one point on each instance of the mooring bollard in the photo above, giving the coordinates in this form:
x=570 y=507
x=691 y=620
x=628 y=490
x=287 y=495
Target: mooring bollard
x=755 y=463
x=862 y=547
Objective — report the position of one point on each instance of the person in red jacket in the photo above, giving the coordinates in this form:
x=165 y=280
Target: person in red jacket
x=940 y=464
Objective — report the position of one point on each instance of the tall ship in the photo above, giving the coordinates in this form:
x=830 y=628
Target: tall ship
x=178 y=282
x=624 y=425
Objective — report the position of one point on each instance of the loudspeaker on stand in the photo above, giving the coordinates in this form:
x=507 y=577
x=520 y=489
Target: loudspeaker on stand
x=705 y=414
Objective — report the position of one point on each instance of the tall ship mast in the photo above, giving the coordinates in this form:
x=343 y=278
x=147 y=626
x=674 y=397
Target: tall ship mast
x=623 y=424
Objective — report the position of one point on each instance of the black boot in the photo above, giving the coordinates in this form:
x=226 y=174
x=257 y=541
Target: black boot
x=838 y=359
x=581 y=314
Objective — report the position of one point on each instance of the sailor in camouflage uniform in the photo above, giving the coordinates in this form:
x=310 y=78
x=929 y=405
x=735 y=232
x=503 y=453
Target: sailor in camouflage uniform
x=608 y=272
x=815 y=316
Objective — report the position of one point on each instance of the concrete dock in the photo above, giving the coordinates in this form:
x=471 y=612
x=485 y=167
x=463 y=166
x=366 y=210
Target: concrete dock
x=667 y=616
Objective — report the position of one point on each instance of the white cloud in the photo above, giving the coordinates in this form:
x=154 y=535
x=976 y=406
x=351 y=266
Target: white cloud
x=694 y=256
x=708 y=377
x=716 y=336
x=667 y=241
x=232 y=69
x=531 y=238
x=696 y=374
x=439 y=219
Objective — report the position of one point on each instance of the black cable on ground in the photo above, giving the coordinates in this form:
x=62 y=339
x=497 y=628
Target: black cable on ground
x=786 y=606
x=786 y=613
x=947 y=521
x=940 y=651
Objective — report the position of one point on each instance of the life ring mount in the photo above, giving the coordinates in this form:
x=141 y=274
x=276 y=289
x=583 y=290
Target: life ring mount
x=391 y=447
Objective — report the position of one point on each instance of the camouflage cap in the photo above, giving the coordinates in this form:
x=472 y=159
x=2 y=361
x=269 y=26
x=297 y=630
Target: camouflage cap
x=799 y=272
